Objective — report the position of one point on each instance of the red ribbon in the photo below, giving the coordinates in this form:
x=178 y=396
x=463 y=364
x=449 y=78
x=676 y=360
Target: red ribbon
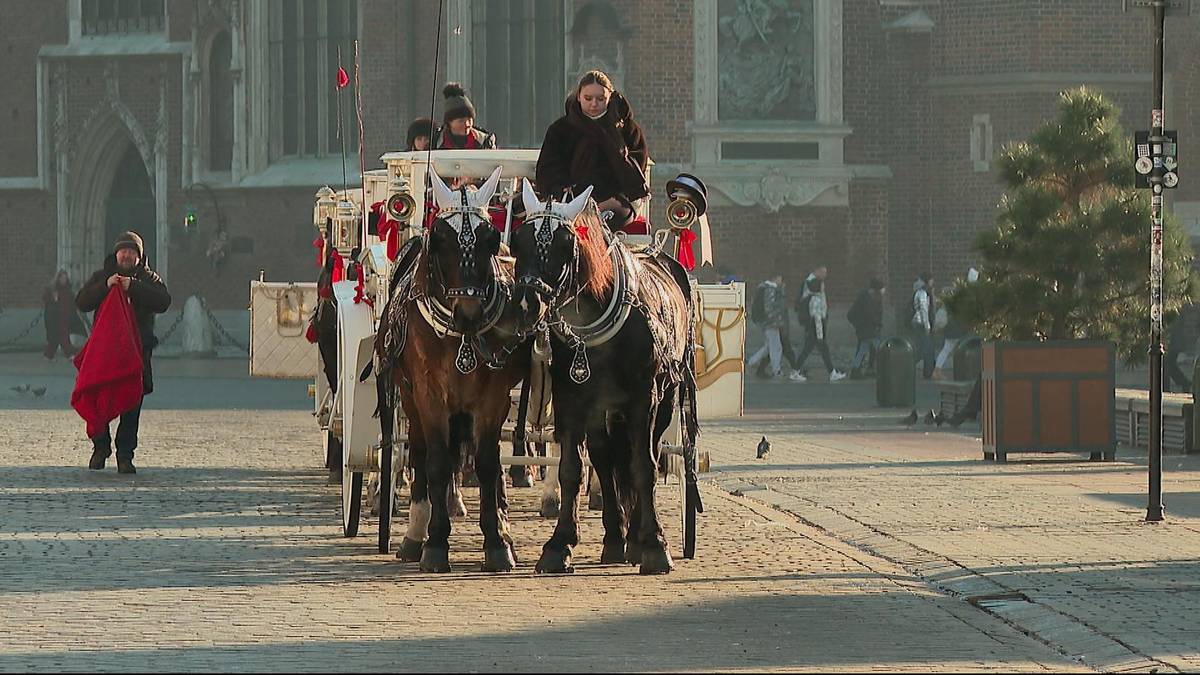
x=359 y=296
x=686 y=256
x=311 y=333
x=339 y=267
x=387 y=229
x=319 y=244
x=343 y=79
x=581 y=231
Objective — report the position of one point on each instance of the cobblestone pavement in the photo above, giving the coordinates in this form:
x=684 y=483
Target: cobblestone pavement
x=1063 y=538
x=223 y=553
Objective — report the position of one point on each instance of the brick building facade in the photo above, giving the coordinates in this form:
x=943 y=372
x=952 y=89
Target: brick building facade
x=876 y=158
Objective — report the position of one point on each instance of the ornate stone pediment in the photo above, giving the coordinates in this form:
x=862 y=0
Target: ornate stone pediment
x=776 y=189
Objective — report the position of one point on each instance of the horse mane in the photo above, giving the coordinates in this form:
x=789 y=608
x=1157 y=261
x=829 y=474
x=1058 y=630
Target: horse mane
x=593 y=249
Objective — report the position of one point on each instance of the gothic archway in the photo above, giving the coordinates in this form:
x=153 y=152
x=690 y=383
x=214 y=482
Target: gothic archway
x=130 y=202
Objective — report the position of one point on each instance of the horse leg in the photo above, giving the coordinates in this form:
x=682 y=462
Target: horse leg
x=435 y=554
x=550 y=499
x=419 y=509
x=556 y=553
x=600 y=451
x=655 y=559
x=497 y=556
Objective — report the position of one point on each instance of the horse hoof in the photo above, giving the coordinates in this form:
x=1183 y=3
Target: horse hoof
x=613 y=554
x=499 y=559
x=434 y=559
x=409 y=551
x=656 y=561
x=550 y=508
x=554 y=561
x=595 y=501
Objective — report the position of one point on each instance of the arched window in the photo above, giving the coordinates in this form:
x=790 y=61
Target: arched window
x=220 y=104
x=305 y=39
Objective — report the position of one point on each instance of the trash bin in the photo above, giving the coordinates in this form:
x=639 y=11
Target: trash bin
x=1192 y=439
x=896 y=382
x=966 y=359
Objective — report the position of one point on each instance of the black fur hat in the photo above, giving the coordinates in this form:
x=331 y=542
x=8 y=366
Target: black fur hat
x=457 y=105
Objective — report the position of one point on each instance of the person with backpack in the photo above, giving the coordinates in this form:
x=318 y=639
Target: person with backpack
x=769 y=310
x=866 y=315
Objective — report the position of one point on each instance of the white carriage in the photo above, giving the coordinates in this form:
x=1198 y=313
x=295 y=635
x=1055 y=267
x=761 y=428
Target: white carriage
x=279 y=348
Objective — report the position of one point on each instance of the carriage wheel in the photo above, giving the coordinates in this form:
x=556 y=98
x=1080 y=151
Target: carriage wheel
x=385 y=497
x=352 y=482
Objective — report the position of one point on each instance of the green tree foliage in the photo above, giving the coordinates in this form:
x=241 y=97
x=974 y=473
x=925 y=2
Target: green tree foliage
x=1070 y=254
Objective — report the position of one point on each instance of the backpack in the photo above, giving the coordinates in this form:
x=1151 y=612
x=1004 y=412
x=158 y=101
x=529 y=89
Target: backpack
x=758 y=306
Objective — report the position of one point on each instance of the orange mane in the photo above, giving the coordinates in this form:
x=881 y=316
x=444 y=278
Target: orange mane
x=593 y=250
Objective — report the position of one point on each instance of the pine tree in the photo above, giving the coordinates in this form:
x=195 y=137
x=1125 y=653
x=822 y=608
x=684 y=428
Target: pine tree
x=1070 y=254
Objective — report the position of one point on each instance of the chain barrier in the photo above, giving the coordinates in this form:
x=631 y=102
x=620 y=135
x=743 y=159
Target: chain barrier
x=20 y=336
x=171 y=331
x=224 y=334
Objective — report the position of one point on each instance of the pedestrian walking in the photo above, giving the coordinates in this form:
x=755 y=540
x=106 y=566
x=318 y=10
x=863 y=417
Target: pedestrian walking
x=148 y=296
x=866 y=316
x=953 y=333
x=922 y=322
x=769 y=310
x=814 y=310
x=61 y=318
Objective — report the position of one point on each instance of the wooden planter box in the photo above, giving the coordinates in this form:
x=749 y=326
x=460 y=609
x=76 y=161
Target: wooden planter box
x=1055 y=396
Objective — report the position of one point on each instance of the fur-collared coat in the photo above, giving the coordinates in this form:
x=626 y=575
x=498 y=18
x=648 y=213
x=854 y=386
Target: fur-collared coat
x=609 y=154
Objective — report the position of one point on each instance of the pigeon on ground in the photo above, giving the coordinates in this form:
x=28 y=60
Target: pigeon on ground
x=764 y=446
x=930 y=417
x=911 y=419
x=38 y=391
x=939 y=418
x=20 y=388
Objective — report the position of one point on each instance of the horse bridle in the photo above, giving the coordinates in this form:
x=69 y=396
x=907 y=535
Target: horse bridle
x=543 y=237
x=466 y=244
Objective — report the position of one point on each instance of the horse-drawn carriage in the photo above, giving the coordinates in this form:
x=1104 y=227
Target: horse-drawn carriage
x=365 y=258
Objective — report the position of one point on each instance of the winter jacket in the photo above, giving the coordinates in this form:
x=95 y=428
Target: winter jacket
x=866 y=315
x=478 y=139
x=775 y=304
x=608 y=154
x=818 y=312
x=922 y=307
x=148 y=295
x=59 y=314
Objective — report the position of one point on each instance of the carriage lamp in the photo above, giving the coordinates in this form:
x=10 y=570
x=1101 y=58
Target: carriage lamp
x=325 y=207
x=400 y=205
x=681 y=213
x=346 y=222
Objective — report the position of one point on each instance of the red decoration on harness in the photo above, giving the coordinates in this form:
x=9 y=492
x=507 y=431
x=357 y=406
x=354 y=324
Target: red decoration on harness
x=387 y=229
x=686 y=256
x=581 y=231
x=359 y=296
x=319 y=244
x=339 y=267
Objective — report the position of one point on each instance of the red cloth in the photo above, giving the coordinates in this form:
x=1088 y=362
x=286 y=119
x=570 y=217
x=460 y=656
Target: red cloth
x=636 y=226
x=110 y=365
x=339 y=267
x=686 y=256
x=387 y=229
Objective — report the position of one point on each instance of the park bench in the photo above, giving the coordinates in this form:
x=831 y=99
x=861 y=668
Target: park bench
x=1133 y=420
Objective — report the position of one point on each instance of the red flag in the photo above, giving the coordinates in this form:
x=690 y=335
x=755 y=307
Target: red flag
x=342 y=78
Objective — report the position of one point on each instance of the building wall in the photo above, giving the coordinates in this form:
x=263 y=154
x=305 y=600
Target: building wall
x=910 y=93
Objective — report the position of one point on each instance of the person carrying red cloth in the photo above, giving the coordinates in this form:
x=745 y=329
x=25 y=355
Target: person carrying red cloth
x=147 y=296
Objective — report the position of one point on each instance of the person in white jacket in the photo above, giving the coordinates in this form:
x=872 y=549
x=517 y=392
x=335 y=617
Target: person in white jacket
x=922 y=322
x=814 y=307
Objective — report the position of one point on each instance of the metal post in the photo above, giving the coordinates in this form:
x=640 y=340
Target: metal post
x=1154 y=508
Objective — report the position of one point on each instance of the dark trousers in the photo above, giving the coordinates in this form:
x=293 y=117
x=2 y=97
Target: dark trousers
x=127 y=434
x=925 y=351
x=810 y=343
x=1175 y=373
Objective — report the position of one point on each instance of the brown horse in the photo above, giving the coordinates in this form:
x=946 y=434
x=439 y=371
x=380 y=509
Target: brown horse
x=620 y=332
x=442 y=346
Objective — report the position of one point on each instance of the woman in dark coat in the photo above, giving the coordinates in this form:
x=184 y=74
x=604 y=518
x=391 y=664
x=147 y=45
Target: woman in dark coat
x=61 y=318
x=596 y=143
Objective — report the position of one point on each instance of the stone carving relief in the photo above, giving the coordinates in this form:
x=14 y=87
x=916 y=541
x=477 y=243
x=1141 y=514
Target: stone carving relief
x=776 y=189
x=766 y=60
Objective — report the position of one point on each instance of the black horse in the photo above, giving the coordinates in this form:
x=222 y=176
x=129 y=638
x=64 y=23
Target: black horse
x=620 y=333
x=442 y=347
